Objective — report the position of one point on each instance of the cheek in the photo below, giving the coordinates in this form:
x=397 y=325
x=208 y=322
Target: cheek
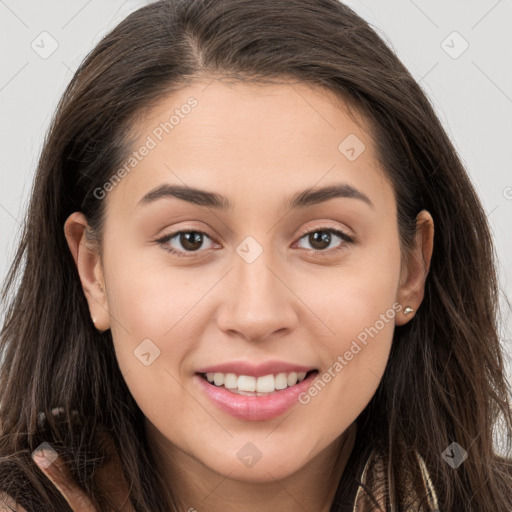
x=148 y=302
x=355 y=354
x=357 y=306
x=357 y=297
x=148 y=299
x=153 y=332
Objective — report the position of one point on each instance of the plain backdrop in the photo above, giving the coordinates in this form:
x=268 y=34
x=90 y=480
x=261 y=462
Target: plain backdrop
x=459 y=51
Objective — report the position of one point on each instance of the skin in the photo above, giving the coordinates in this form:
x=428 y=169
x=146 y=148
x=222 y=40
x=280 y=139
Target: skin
x=256 y=145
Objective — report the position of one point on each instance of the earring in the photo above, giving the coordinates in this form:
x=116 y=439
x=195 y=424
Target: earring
x=408 y=310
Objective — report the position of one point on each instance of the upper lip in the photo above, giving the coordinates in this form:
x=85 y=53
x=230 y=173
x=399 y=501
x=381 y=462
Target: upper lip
x=256 y=370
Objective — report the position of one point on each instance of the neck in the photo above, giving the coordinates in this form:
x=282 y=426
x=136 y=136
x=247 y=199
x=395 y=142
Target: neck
x=194 y=485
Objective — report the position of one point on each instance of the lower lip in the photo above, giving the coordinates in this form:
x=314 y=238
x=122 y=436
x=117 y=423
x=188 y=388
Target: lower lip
x=254 y=408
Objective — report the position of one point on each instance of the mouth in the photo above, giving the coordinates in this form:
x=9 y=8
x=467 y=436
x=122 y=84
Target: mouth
x=250 y=385
x=254 y=391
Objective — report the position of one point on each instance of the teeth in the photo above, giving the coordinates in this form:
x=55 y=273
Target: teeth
x=281 y=381
x=292 y=379
x=231 y=381
x=246 y=383
x=249 y=385
x=265 y=384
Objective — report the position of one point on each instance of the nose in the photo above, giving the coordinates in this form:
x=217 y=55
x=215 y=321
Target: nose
x=260 y=303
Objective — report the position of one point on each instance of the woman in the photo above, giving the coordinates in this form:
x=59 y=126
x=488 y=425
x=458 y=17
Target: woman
x=230 y=293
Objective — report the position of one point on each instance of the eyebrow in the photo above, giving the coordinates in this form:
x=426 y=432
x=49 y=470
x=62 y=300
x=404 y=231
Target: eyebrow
x=303 y=199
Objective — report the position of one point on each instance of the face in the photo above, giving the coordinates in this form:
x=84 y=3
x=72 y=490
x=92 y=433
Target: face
x=253 y=281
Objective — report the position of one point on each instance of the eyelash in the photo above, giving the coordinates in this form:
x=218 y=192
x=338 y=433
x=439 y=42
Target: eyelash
x=163 y=242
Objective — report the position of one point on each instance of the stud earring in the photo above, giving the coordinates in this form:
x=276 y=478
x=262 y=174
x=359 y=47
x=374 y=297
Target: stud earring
x=408 y=310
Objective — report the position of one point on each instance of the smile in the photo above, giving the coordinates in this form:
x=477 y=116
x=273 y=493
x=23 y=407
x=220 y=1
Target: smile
x=254 y=398
x=255 y=386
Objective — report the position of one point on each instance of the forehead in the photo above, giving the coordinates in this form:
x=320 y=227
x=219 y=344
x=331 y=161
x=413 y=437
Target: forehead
x=251 y=139
x=252 y=113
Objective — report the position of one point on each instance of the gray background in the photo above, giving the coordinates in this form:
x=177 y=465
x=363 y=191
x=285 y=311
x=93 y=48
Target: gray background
x=471 y=91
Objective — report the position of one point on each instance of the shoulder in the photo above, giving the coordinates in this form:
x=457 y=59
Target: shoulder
x=8 y=504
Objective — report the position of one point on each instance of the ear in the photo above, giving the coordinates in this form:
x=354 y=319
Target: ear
x=414 y=272
x=88 y=262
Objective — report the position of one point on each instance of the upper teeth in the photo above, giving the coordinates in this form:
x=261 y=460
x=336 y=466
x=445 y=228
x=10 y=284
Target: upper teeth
x=265 y=384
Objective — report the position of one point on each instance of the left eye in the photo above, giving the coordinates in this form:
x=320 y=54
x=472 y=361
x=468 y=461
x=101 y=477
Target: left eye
x=320 y=237
x=192 y=240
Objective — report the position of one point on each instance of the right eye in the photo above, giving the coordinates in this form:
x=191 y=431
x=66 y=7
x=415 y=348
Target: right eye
x=190 y=241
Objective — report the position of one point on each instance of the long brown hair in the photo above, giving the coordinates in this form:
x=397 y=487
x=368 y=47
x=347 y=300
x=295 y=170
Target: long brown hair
x=445 y=379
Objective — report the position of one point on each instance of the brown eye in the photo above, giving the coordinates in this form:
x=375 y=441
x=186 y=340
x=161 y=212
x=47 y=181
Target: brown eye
x=191 y=240
x=321 y=239
x=187 y=241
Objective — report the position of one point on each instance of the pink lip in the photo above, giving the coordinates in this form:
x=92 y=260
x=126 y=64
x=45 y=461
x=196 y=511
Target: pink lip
x=258 y=370
x=254 y=408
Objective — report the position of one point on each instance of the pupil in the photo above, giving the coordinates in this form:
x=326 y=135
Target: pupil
x=320 y=237
x=191 y=240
